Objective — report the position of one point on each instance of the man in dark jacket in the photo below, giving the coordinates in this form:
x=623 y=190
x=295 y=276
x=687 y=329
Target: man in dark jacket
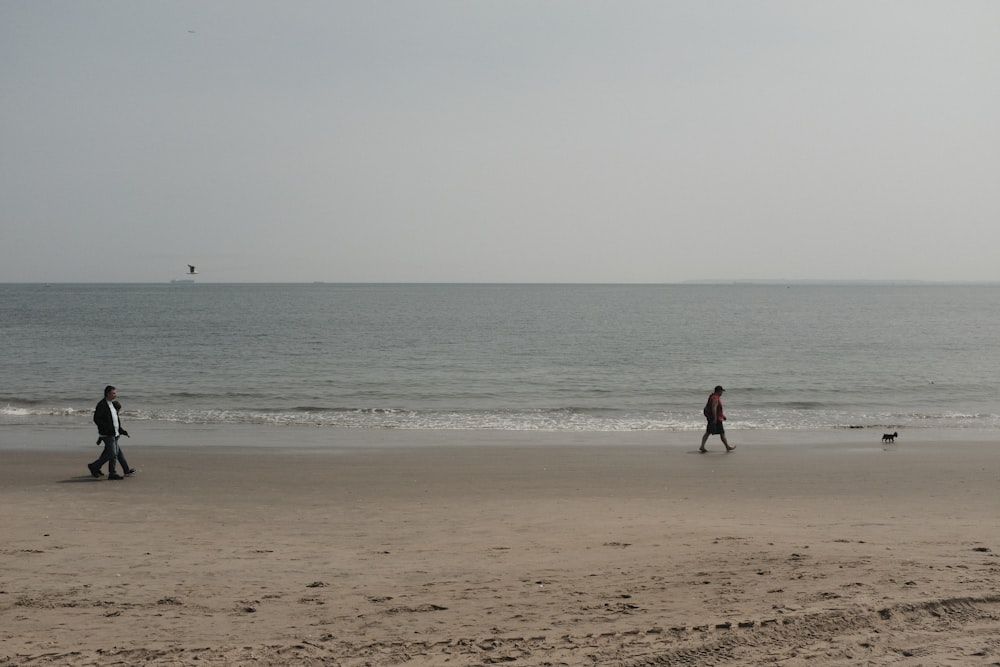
x=109 y=429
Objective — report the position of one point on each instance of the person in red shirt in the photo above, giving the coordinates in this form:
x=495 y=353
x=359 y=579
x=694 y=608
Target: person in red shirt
x=715 y=417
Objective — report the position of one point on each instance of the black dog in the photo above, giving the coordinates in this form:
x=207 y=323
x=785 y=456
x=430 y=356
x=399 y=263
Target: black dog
x=889 y=437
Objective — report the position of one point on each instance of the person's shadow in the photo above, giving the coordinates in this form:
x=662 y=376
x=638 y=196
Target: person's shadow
x=81 y=478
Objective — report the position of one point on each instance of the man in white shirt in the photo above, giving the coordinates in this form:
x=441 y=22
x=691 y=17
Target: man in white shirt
x=109 y=430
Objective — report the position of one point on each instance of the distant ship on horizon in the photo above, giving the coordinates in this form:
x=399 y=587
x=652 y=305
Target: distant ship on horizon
x=192 y=271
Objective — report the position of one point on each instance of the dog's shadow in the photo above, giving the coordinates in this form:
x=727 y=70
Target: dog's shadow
x=889 y=441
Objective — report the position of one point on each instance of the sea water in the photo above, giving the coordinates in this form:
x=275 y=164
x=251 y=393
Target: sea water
x=514 y=357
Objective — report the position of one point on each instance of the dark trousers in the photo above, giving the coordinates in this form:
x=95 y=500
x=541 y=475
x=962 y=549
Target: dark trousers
x=112 y=454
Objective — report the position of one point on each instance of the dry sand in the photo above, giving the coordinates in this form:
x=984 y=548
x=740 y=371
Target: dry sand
x=397 y=548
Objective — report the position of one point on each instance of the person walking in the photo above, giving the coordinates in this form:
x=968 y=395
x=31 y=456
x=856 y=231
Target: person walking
x=126 y=470
x=715 y=417
x=109 y=430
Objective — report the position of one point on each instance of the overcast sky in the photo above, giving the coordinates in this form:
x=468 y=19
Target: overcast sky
x=505 y=141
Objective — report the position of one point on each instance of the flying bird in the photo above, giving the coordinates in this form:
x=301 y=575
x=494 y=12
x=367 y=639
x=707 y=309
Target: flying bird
x=191 y=270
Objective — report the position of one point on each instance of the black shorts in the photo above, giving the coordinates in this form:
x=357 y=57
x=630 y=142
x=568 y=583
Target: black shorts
x=716 y=428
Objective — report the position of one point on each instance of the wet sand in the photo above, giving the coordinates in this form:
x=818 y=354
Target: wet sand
x=271 y=546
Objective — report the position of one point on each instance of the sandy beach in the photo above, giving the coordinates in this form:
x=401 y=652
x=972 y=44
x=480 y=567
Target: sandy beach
x=297 y=546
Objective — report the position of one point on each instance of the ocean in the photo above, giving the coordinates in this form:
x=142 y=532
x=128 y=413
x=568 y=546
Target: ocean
x=509 y=357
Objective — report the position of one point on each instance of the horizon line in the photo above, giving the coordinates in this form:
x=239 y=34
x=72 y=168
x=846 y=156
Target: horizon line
x=705 y=282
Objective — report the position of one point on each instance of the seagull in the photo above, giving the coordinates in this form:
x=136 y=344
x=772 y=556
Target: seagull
x=191 y=270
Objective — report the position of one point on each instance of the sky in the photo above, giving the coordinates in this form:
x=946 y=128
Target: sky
x=508 y=141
